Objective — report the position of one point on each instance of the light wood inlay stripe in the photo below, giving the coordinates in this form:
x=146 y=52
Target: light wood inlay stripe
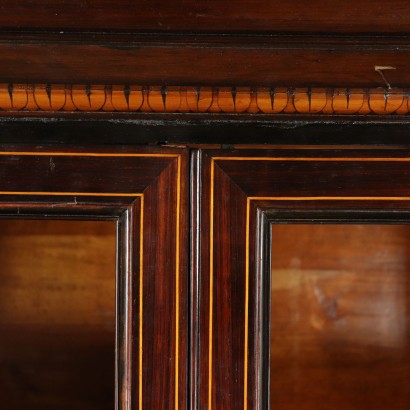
x=247 y=255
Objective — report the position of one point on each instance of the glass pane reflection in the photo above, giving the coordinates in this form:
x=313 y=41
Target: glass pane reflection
x=340 y=298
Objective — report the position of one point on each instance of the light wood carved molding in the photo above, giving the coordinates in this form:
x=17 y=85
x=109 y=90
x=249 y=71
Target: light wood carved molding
x=173 y=99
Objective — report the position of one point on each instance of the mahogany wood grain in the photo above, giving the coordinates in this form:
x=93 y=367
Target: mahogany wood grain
x=339 y=317
x=57 y=314
x=262 y=16
x=192 y=61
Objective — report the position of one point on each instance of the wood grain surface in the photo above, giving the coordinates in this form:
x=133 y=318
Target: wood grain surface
x=339 y=317
x=57 y=314
x=263 y=16
x=194 y=59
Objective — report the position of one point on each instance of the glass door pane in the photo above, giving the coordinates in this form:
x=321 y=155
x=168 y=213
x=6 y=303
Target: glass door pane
x=57 y=315
x=340 y=316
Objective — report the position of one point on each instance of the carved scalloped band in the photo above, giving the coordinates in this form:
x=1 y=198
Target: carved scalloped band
x=118 y=98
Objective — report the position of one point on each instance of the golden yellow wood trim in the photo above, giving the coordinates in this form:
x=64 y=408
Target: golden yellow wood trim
x=246 y=346
x=330 y=198
x=141 y=303
x=44 y=193
x=314 y=159
x=177 y=268
x=84 y=154
x=180 y=99
x=211 y=281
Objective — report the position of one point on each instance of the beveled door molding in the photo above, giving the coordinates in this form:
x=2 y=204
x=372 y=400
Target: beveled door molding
x=180 y=99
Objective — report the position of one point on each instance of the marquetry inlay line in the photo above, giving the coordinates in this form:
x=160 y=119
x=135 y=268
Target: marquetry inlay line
x=177 y=268
x=141 y=262
x=85 y=154
x=141 y=304
x=247 y=241
x=246 y=338
x=247 y=255
x=330 y=198
x=43 y=193
x=211 y=281
x=203 y=99
x=307 y=159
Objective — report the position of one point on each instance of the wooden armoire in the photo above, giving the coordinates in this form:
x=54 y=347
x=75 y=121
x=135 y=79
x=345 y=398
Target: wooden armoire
x=224 y=188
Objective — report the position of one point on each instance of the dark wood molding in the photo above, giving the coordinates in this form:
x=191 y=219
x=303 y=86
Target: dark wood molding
x=179 y=99
x=197 y=59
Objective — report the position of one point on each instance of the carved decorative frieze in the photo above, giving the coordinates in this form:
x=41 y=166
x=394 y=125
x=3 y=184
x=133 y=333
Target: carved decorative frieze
x=179 y=99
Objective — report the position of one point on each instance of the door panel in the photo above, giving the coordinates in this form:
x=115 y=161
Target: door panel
x=143 y=192
x=243 y=193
